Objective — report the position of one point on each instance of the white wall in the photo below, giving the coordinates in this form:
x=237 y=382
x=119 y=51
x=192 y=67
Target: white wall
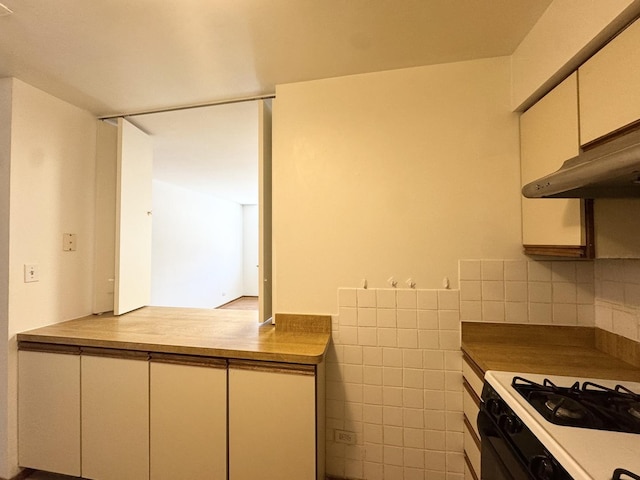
x=51 y=193
x=566 y=34
x=250 y=250
x=196 y=248
x=397 y=173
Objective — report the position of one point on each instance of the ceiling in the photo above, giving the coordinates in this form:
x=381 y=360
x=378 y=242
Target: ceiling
x=211 y=150
x=116 y=56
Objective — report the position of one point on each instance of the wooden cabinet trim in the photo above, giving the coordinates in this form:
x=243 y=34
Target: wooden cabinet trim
x=48 y=348
x=569 y=251
x=471 y=392
x=586 y=251
x=589 y=228
x=277 y=367
x=472 y=432
x=189 y=360
x=114 y=353
x=620 y=132
x=470 y=467
x=474 y=366
x=287 y=322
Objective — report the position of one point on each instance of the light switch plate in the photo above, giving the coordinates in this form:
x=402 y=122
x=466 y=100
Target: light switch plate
x=31 y=273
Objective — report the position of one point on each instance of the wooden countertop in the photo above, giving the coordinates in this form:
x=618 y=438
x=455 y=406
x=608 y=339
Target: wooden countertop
x=550 y=350
x=233 y=334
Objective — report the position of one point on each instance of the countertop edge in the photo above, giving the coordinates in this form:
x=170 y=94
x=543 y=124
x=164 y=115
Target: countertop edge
x=213 y=352
x=226 y=334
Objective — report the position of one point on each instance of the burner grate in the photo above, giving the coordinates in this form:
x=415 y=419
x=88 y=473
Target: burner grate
x=587 y=406
x=618 y=474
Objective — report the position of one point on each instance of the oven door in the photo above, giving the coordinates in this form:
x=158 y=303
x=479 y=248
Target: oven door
x=498 y=460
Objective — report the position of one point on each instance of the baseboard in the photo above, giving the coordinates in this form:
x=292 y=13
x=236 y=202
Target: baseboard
x=22 y=475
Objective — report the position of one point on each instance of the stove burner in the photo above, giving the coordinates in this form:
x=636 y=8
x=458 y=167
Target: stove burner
x=587 y=406
x=563 y=407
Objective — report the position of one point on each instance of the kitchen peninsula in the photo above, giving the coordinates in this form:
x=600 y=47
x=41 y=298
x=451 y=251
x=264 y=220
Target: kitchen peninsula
x=167 y=392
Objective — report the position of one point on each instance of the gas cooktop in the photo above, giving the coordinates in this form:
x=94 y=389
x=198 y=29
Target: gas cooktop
x=586 y=405
x=590 y=426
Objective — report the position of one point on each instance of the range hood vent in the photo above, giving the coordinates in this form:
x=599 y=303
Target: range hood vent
x=610 y=170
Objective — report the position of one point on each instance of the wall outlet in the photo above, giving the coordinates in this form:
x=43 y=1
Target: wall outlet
x=342 y=436
x=31 y=273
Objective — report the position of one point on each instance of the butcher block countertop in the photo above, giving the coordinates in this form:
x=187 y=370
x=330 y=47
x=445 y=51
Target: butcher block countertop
x=230 y=334
x=551 y=350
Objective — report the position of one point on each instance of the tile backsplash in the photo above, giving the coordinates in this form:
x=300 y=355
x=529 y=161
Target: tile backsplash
x=602 y=293
x=394 y=386
x=520 y=291
x=394 y=367
x=617 y=299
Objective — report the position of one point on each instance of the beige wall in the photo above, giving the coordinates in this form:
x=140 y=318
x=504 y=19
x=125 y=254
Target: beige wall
x=566 y=34
x=51 y=193
x=396 y=173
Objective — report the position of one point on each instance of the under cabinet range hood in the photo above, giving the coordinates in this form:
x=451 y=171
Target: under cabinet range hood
x=609 y=170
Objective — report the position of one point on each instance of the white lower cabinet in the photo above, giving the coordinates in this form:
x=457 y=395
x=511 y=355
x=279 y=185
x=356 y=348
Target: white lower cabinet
x=49 y=411
x=115 y=418
x=272 y=422
x=188 y=419
x=473 y=383
x=106 y=414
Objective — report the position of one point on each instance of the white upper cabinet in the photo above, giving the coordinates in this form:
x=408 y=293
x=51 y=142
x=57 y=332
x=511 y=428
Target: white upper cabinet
x=609 y=93
x=548 y=137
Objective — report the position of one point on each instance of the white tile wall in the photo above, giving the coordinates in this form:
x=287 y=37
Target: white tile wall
x=521 y=291
x=394 y=379
x=394 y=367
x=617 y=297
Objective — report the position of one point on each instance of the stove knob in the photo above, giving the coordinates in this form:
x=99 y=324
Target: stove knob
x=512 y=424
x=494 y=407
x=542 y=467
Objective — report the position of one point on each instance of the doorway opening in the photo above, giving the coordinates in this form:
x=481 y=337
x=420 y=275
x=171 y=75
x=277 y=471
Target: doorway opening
x=242 y=303
x=209 y=206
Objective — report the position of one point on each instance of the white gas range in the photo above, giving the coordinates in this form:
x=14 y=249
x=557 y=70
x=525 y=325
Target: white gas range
x=523 y=443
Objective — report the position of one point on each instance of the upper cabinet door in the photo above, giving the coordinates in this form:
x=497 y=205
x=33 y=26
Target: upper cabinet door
x=133 y=218
x=548 y=137
x=609 y=93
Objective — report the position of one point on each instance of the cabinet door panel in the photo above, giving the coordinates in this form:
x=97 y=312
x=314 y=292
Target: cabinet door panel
x=188 y=422
x=548 y=137
x=472 y=451
x=272 y=429
x=609 y=94
x=49 y=412
x=115 y=418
